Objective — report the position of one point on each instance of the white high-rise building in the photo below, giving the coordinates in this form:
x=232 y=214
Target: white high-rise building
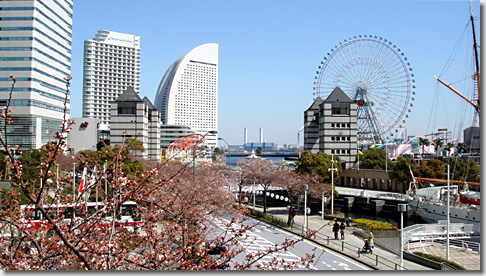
x=35 y=48
x=111 y=65
x=188 y=92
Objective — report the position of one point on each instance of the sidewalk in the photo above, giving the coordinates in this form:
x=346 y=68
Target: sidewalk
x=350 y=246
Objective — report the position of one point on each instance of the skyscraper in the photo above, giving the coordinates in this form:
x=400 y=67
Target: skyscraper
x=188 y=92
x=111 y=65
x=35 y=47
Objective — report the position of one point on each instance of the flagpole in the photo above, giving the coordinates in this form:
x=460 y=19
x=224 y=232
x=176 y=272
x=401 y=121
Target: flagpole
x=74 y=181
x=96 y=182
x=106 y=186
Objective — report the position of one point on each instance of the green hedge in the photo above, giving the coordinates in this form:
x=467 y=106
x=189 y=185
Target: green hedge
x=268 y=218
x=439 y=260
x=371 y=225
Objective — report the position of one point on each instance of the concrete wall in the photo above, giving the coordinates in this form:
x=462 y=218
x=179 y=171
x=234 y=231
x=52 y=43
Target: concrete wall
x=370 y=179
x=84 y=135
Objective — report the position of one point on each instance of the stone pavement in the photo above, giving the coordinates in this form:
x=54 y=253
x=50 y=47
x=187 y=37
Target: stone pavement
x=381 y=259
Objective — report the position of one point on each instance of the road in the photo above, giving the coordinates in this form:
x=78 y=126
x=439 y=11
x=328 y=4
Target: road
x=263 y=236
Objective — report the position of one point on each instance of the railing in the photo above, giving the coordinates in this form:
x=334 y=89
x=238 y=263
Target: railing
x=463 y=244
x=372 y=194
x=421 y=232
x=351 y=250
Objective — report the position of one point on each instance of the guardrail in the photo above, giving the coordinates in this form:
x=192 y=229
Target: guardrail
x=373 y=194
x=422 y=232
x=463 y=244
x=352 y=250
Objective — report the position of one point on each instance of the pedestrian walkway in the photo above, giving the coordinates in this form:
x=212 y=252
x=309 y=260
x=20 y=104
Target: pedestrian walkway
x=352 y=244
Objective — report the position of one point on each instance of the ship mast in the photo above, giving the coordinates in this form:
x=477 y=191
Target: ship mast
x=477 y=95
x=475 y=47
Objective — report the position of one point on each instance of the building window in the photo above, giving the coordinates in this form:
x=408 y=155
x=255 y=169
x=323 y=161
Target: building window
x=340 y=111
x=126 y=110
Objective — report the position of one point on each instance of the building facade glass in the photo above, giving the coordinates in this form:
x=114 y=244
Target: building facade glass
x=35 y=48
x=188 y=92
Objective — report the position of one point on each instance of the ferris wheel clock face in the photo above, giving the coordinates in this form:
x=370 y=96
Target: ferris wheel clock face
x=374 y=73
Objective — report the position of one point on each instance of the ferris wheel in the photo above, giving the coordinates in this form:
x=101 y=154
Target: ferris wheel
x=374 y=73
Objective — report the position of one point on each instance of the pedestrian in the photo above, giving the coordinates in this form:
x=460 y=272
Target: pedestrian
x=371 y=242
x=348 y=221
x=245 y=200
x=342 y=230
x=335 y=229
x=292 y=215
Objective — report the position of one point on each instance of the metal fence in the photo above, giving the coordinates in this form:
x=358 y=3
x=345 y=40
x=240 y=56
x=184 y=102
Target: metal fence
x=352 y=250
x=373 y=194
x=424 y=232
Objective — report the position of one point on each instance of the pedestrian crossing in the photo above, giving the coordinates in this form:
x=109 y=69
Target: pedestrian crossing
x=254 y=244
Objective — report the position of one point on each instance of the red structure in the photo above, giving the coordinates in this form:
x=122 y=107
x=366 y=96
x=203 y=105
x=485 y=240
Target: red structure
x=185 y=144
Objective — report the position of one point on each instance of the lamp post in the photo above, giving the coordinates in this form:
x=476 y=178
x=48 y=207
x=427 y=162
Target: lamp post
x=358 y=154
x=386 y=157
x=305 y=207
x=323 y=203
x=401 y=208
x=229 y=156
x=194 y=154
x=332 y=169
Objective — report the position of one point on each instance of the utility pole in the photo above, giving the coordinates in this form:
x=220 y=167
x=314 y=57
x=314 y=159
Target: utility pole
x=332 y=169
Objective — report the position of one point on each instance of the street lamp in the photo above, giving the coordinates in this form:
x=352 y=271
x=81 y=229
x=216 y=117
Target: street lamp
x=194 y=154
x=401 y=208
x=332 y=169
x=386 y=157
x=305 y=207
x=229 y=156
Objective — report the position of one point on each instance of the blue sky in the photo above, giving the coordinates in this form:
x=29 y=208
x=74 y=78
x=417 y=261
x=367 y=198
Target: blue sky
x=269 y=51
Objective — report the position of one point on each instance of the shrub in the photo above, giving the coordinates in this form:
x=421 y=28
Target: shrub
x=267 y=218
x=371 y=225
x=439 y=260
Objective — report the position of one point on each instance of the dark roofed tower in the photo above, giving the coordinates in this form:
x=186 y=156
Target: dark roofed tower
x=330 y=126
x=132 y=117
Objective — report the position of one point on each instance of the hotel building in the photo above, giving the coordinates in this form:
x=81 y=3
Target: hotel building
x=188 y=92
x=111 y=65
x=35 y=48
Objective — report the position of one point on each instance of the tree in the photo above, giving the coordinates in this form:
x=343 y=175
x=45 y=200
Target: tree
x=262 y=171
x=243 y=175
x=461 y=147
x=423 y=142
x=437 y=145
x=449 y=147
x=318 y=164
x=401 y=170
x=293 y=183
x=134 y=145
x=110 y=155
x=178 y=213
x=464 y=169
x=433 y=168
x=374 y=159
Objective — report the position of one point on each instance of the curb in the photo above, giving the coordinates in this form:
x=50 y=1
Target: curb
x=316 y=242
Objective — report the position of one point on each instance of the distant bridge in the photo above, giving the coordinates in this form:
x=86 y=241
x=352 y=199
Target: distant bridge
x=264 y=154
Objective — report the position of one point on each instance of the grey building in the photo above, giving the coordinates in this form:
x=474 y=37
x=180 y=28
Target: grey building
x=132 y=117
x=330 y=126
x=84 y=135
x=472 y=139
